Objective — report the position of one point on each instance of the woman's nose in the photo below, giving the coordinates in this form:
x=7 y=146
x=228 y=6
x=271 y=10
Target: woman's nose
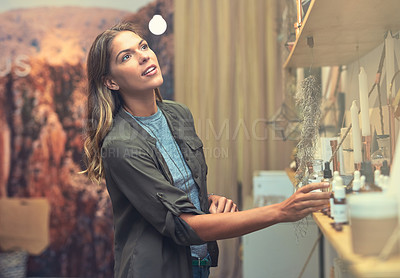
x=143 y=58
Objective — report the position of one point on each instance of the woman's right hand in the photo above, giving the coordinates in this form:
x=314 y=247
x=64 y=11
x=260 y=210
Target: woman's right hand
x=303 y=202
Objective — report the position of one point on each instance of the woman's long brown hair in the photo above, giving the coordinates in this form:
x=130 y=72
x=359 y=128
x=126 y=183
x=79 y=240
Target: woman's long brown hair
x=102 y=103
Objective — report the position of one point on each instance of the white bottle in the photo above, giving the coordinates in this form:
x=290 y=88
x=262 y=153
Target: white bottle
x=362 y=179
x=332 y=197
x=356 y=182
x=384 y=183
x=340 y=204
x=377 y=173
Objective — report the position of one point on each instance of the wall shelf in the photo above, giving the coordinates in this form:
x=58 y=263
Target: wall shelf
x=339 y=27
x=360 y=266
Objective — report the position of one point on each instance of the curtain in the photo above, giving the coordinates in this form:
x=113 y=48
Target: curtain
x=227 y=71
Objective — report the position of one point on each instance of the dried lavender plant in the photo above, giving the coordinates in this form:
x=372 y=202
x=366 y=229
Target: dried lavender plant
x=308 y=100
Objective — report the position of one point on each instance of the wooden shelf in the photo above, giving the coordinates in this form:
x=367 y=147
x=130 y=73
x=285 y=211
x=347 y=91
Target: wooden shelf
x=361 y=266
x=339 y=27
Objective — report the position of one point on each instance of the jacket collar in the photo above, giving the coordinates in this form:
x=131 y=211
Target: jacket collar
x=133 y=123
x=168 y=113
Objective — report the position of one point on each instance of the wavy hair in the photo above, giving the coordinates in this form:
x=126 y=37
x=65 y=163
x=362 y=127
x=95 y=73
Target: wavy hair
x=102 y=103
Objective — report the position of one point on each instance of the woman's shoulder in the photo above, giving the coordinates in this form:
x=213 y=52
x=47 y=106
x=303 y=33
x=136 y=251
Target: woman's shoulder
x=175 y=107
x=173 y=104
x=121 y=133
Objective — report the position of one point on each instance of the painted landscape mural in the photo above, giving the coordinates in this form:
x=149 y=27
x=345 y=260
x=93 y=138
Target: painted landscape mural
x=42 y=115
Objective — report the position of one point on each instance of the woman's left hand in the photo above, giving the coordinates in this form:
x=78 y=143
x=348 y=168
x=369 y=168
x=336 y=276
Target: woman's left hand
x=220 y=204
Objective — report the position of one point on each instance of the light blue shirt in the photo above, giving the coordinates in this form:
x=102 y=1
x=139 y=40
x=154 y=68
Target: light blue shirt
x=156 y=125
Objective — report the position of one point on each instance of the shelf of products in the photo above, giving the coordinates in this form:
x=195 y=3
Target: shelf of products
x=338 y=33
x=360 y=266
x=342 y=31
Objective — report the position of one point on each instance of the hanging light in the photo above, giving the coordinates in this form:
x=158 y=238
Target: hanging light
x=157 y=25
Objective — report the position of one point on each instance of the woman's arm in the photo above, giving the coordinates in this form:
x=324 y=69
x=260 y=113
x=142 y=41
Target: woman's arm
x=228 y=225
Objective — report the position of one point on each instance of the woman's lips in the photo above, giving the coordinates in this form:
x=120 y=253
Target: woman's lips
x=150 y=71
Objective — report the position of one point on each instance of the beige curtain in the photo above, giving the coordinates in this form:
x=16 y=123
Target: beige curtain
x=226 y=71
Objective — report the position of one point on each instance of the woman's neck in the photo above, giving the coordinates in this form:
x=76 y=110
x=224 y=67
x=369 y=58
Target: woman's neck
x=141 y=107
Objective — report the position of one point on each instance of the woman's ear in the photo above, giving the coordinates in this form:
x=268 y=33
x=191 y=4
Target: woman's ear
x=110 y=84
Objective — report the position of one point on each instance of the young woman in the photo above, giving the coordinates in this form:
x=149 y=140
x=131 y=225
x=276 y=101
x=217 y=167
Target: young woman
x=166 y=225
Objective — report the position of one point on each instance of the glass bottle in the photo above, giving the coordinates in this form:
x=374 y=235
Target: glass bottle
x=340 y=202
x=327 y=179
x=385 y=183
x=315 y=172
x=356 y=182
x=385 y=170
x=327 y=176
x=332 y=196
x=362 y=182
x=381 y=154
x=366 y=170
x=377 y=174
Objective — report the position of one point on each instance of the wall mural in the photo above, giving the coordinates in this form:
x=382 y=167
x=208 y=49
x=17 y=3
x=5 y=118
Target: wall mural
x=42 y=113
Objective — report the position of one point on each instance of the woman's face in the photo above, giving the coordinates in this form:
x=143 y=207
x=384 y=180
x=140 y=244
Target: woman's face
x=134 y=66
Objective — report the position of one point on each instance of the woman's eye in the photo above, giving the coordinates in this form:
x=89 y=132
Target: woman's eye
x=144 y=46
x=125 y=57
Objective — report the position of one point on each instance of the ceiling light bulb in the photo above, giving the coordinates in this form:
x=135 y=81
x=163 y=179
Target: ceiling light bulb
x=157 y=25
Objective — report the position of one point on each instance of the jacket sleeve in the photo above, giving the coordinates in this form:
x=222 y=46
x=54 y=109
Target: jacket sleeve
x=135 y=173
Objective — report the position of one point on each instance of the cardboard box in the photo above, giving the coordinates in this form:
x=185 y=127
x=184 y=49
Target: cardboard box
x=24 y=224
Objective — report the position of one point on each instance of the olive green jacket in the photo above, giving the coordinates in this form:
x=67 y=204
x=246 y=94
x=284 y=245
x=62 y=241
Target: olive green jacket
x=150 y=239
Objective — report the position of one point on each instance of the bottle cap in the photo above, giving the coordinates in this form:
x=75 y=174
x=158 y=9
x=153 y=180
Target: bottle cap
x=327 y=171
x=340 y=190
x=335 y=174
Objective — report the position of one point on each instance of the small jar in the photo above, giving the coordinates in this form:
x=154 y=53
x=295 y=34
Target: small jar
x=315 y=173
